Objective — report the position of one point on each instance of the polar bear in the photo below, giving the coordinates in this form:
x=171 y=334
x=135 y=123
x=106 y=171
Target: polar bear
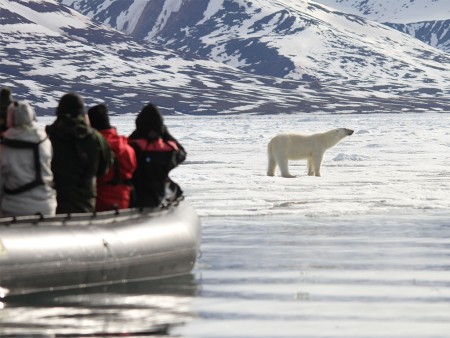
x=294 y=146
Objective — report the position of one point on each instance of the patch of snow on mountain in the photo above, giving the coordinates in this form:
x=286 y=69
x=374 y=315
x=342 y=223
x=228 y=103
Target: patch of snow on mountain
x=128 y=20
x=170 y=6
x=213 y=8
x=51 y=20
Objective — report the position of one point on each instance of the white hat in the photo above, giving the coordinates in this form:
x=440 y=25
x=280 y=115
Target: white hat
x=20 y=113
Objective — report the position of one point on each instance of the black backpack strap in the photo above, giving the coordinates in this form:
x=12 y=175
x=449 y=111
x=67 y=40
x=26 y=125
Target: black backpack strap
x=19 y=144
x=116 y=180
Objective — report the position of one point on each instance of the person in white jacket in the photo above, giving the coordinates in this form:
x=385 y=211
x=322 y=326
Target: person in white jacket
x=26 y=179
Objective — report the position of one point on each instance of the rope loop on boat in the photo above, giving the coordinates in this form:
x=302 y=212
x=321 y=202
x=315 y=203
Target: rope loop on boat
x=41 y=218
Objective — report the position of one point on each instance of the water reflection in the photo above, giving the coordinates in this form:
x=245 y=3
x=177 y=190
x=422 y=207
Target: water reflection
x=131 y=309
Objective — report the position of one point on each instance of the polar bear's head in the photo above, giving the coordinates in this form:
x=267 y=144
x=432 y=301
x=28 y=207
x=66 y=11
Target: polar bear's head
x=343 y=132
x=333 y=136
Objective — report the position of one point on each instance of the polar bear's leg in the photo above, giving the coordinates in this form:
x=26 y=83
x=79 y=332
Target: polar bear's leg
x=283 y=164
x=310 y=167
x=272 y=164
x=316 y=163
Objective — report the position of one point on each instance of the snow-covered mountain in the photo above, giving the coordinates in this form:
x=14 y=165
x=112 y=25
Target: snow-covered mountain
x=434 y=33
x=427 y=20
x=216 y=56
x=283 y=38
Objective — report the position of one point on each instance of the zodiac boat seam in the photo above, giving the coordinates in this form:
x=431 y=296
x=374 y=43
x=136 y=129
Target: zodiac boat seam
x=68 y=251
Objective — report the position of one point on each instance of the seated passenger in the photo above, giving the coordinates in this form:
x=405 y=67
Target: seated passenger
x=157 y=154
x=114 y=188
x=80 y=155
x=26 y=179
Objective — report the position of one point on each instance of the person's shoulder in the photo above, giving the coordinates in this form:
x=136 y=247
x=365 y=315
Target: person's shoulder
x=134 y=135
x=119 y=142
x=95 y=133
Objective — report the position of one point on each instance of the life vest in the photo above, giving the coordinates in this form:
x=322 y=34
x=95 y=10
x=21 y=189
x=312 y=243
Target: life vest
x=155 y=159
x=158 y=145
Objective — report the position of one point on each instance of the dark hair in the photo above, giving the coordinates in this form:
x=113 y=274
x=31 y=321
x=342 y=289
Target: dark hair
x=5 y=100
x=5 y=94
x=71 y=104
x=150 y=119
x=98 y=115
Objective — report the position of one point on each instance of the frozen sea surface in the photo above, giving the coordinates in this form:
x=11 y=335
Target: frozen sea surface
x=391 y=165
x=361 y=252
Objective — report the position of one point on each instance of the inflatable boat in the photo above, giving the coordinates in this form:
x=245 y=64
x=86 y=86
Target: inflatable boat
x=78 y=250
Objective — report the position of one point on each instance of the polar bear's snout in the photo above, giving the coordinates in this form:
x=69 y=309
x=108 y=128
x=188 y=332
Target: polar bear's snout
x=349 y=131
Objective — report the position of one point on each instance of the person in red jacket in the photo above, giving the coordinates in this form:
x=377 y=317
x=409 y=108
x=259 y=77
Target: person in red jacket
x=114 y=188
x=157 y=154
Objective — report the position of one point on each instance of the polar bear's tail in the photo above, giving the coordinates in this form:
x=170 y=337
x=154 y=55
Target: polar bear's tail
x=272 y=163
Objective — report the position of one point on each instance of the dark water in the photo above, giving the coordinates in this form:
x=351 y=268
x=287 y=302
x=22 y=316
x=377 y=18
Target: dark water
x=271 y=277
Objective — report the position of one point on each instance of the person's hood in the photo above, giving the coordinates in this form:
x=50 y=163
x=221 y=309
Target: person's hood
x=71 y=104
x=20 y=114
x=150 y=119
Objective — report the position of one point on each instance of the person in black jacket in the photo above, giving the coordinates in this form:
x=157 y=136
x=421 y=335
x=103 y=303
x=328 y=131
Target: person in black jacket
x=157 y=153
x=80 y=155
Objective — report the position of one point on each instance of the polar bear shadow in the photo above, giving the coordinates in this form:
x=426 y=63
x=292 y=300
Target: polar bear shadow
x=295 y=146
